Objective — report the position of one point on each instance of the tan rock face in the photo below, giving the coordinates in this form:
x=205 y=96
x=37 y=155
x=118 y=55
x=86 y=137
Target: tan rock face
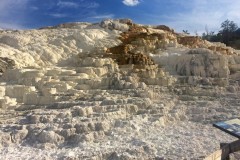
x=165 y=28
x=203 y=63
x=136 y=43
x=124 y=56
x=190 y=41
x=197 y=42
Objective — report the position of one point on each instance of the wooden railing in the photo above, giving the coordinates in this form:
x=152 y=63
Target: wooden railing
x=225 y=151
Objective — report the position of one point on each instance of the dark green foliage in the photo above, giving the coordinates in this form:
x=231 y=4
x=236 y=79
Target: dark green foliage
x=186 y=32
x=228 y=31
x=229 y=34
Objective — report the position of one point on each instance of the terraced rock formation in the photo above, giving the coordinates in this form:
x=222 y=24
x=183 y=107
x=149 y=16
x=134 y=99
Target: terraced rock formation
x=114 y=90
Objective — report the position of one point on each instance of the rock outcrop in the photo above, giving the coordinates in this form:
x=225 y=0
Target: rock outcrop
x=6 y=63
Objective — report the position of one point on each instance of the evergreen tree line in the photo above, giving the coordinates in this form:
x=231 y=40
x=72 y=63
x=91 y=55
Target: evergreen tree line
x=229 y=34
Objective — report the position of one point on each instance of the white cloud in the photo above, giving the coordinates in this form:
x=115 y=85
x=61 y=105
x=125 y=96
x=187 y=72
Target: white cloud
x=8 y=15
x=6 y=5
x=200 y=13
x=11 y=26
x=34 y=8
x=83 y=4
x=131 y=2
x=90 y=5
x=58 y=15
x=64 y=4
x=105 y=16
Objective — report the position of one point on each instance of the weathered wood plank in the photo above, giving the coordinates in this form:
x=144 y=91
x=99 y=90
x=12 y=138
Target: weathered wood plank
x=225 y=150
x=235 y=146
x=215 y=156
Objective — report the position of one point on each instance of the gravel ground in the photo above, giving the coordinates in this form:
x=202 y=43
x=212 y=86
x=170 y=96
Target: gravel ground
x=181 y=140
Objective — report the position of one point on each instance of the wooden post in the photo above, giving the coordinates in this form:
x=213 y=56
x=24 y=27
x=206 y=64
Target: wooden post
x=215 y=156
x=225 y=151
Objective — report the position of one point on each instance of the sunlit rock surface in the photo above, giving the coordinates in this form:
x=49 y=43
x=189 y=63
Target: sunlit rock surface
x=114 y=90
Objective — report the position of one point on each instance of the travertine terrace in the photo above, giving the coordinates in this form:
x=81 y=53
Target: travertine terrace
x=114 y=90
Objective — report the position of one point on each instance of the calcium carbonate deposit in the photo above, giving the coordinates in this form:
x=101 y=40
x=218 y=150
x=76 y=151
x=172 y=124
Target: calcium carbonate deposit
x=114 y=90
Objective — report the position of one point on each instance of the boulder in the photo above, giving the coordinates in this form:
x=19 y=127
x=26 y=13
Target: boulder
x=115 y=25
x=165 y=28
x=50 y=137
x=6 y=63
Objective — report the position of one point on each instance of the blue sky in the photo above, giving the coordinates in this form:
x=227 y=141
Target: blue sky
x=191 y=15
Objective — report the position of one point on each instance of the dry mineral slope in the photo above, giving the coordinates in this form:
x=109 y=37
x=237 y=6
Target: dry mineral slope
x=114 y=90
